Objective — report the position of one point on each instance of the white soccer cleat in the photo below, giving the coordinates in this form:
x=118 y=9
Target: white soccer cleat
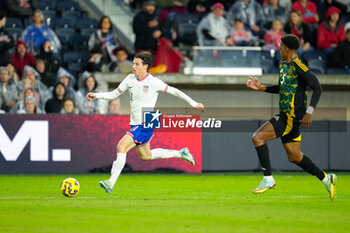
x=330 y=185
x=264 y=186
x=106 y=186
x=186 y=155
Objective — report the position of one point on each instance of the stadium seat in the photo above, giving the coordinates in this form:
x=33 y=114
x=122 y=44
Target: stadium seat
x=49 y=14
x=75 y=68
x=75 y=57
x=268 y=62
x=63 y=23
x=65 y=35
x=185 y=25
x=87 y=31
x=187 y=34
x=27 y=22
x=47 y=5
x=317 y=66
x=80 y=42
x=74 y=15
x=186 y=18
x=337 y=71
x=68 y=6
x=87 y=23
x=13 y=22
x=15 y=32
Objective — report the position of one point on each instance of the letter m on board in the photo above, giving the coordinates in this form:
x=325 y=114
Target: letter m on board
x=37 y=132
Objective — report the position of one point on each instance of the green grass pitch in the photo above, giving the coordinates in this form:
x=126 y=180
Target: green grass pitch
x=220 y=202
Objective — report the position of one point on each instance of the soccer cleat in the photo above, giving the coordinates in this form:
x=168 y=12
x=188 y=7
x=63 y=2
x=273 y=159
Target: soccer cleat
x=106 y=186
x=330 y=185
x=264 y=186
x=186 y=155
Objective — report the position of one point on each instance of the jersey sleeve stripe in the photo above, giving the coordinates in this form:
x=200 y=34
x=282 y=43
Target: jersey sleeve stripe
x=301 y=65
x=166 y=89
x=120 y=91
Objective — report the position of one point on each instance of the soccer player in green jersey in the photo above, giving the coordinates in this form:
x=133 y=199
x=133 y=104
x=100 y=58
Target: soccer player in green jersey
x=294 y=80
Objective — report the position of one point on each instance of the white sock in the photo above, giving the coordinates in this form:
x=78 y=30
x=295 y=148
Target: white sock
x=117 y=167
x=325 y=179
x=269 y=178
x=160 y=153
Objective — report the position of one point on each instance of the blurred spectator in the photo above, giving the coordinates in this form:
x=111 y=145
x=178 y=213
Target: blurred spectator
x=123 y=64
x=322 y=9
x=114 y=107
x=31 y=78
x=68 y=107
x=170 y=8
x=147 y=28
x=20 y=105
x=238 y=35
x=36 y=33
x=213 y=29
x=21 y=8
x=251 y=14
x=106 y=39
x=13 y=75
x=167 y=13
x=30 y=106
x=54 y=105
x=297 y=27
x=94 y=63
x=273 y=36
x=308 y=11
x=341 y=55
x=287 y=4
x=199 y=7
x=89 y=85
x=47 y=78
x=6 y=41
x=330 y=32
x=22 y=58
x=8 y=91
x=273 y=10
x=52 y=63
x=68 y=80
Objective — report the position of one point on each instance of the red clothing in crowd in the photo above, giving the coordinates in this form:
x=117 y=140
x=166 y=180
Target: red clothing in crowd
x=308 y=13
x=326 y=35
x=20 y=63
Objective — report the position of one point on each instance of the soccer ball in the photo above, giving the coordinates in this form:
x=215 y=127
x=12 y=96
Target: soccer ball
x=70 y=187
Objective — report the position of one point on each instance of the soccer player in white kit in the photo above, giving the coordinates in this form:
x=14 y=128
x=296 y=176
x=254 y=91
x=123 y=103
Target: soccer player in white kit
x=143 y=91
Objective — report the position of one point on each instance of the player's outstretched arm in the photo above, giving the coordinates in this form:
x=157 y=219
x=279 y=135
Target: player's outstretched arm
x=254 y=83
x=200 y=107
x=90 y=96
x=176 y=92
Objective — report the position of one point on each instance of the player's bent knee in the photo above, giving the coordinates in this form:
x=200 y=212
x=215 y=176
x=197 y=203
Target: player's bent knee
x=257 y=140
x=121 y=148
x=145 y=157
x=294 y=158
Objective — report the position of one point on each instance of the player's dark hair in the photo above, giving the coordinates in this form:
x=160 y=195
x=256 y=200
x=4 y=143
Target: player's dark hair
x=291 y=41
x=146 y=57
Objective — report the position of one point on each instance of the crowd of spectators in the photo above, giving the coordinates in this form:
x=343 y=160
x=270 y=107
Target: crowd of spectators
x=37 y=75
x=36 y=78
x=321 y=25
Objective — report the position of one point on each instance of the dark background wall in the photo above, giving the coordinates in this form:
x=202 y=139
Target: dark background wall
x=326 y=143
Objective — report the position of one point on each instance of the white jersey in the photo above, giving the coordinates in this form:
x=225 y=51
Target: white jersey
x=143 y=94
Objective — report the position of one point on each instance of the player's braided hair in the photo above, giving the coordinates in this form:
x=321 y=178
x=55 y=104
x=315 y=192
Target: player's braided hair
x=146 y=57
x=291 y=41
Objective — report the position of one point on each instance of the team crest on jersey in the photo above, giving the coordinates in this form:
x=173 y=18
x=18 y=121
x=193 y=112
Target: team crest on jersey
x=145 y=88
